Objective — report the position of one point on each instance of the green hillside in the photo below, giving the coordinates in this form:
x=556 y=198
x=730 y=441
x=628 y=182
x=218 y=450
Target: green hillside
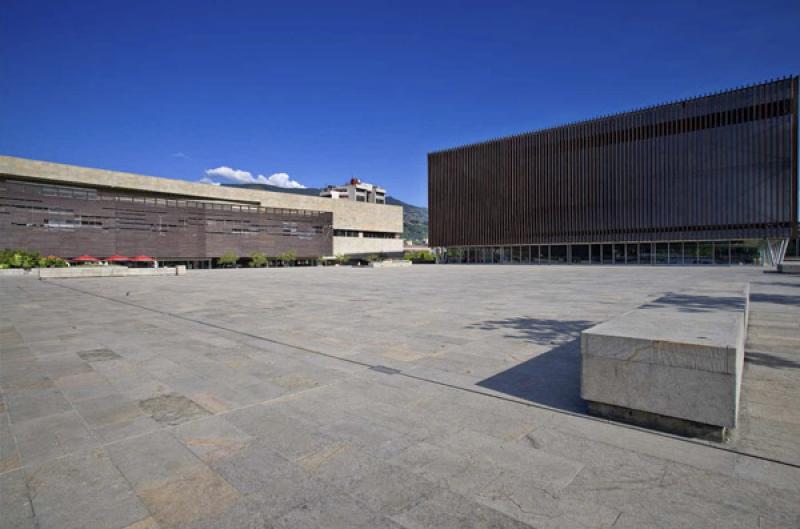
x=415 y=218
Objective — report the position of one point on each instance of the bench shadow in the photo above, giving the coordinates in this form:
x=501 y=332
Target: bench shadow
x=696 y=303
x=551 y=378
x=780 y=299
x=768 y=360
x=536 y=330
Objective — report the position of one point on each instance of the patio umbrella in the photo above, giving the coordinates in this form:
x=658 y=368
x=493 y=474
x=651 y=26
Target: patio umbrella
x=141 y=259
x=117 y=259
x=84 y=259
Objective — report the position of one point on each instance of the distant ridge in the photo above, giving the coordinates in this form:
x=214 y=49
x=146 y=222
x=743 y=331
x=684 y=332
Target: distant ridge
x=415 y=218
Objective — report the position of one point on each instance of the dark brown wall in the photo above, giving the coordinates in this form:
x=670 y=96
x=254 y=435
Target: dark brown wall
x=716 y=167
x=69 y=221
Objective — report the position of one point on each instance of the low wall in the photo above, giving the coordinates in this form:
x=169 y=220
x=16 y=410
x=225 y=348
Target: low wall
x=19 y=272
x=92 y=271
x=789 y=267
x=675 y=363
x=399 y=263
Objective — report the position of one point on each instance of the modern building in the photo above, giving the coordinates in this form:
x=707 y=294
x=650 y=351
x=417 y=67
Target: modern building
x=66 y=210
x=705 y=180
x=357 y=191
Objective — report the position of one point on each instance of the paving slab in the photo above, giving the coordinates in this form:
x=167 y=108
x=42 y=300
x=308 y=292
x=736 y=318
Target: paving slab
x=115 y=417
x=212 y=438
x=15 y=502
x=83 y=490
x=49 y=437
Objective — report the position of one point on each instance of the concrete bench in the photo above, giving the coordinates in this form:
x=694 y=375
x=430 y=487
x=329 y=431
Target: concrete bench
x=674 y=364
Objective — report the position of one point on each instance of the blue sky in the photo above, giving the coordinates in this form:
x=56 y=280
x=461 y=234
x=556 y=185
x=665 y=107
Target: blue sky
x=323 y=92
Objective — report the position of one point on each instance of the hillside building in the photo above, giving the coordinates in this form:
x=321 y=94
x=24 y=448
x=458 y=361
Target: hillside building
x=357 y=191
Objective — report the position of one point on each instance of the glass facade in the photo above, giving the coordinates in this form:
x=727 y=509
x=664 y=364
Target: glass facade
x=742 y=252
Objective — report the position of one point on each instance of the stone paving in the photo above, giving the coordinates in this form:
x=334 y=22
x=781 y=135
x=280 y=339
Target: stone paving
x=433 y=396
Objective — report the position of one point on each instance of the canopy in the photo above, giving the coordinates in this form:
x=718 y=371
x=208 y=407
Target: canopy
x=84 y=259
x=141 y=259
x=117 y=259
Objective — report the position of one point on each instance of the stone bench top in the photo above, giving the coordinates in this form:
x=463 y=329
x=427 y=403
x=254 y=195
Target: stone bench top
x=701 y=329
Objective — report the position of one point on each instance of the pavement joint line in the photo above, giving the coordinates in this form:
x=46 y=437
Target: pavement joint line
x=436 y=382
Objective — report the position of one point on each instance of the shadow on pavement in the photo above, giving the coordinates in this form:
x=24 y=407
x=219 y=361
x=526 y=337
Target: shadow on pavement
x=768 y=360
x=695 y=303
x=775 y=298
x=551 y=378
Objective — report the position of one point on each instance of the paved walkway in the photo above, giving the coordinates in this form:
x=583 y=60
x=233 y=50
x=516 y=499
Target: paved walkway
x=770 y=416
x=426 y=397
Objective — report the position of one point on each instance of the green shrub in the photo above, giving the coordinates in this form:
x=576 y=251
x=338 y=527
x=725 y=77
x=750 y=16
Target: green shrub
x=421 y=256
x=228 y=259
x=51 y=261
x=16 y=258
x=258 y=260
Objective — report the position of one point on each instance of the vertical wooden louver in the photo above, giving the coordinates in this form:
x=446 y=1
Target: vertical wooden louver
x=722 y=166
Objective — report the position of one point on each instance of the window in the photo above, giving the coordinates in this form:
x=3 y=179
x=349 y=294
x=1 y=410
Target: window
x=558 y=253
x=632 y=253
x=705 y=251
x=675 y=253
x=690 y=255
x=580 y=254
x=662 y=249
x=619 y=253
x=608 y=254
x=746 y=253
x=646 y=253
x=722 y=253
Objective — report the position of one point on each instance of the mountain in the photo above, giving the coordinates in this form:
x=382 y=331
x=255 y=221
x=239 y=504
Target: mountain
x=311 y=191
x=415 y=218
x=415 y=221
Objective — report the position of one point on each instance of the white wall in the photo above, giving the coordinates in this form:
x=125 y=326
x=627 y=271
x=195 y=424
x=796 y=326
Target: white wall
x=366 y=245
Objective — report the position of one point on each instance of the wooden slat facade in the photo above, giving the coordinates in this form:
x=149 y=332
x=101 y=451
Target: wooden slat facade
x=72 y=220
x=722 y=166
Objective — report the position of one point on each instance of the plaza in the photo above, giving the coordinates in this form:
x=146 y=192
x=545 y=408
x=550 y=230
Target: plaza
x=440 y=396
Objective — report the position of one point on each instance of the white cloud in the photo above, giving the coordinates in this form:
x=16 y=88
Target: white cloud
x=280 y=180
x=246 y=177
x=227 y=173
x=207 y=180
x=180 y=155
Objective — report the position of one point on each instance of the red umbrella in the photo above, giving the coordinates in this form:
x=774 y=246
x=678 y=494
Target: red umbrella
x=141 y=259
x=117 y=259
x=84 y=259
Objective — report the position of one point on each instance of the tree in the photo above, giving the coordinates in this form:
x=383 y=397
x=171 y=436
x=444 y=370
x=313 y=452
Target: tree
x=258 y=260
x=342 y=259
x=288 y=257
x=228 y=259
